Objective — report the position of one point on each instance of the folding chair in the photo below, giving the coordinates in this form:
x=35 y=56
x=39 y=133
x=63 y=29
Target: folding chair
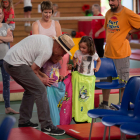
x=6 y=127
x=130 y=93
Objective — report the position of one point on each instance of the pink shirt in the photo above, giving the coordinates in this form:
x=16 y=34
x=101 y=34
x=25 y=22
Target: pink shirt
x=48 y=32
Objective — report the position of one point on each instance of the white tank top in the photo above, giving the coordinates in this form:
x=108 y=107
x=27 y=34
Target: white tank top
x=27 y=3
x=48 y=32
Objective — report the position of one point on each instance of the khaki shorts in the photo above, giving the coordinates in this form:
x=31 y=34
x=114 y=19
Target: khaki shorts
x=122 y=67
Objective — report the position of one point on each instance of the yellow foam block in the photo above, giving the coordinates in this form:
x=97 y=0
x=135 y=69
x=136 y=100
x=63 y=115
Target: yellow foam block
x=76 y=47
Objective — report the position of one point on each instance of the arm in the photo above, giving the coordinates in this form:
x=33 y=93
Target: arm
x=35 y=29
x=43 y=78
x=58 y=14
x=74 y=62
x=98 y=64
x=18 y=3
x=131 y=31
x=8 y=38
x=99 y=31
x=10 y=16
x=58 y=28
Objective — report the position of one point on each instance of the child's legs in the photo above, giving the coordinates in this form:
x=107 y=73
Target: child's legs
x=6 y=85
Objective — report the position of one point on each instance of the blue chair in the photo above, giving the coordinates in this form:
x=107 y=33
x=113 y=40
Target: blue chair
x=122 y=119
x=131 y=128
x=6 y=127
x=130 y=93
x=108 y=69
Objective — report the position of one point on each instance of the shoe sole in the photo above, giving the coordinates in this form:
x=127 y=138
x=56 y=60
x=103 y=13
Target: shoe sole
x=54 y=134
x=29 y=126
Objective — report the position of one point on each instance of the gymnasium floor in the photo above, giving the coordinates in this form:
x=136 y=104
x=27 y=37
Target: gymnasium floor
x=16 y=104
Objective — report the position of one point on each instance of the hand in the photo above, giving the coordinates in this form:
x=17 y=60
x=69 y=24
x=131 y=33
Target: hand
x=97 y=34
x=61 y=77
x=48 y=81
x=75 y=64
x=69 y=66
x=1 y=41
x=95 y=69
x=9 y=33
x=128 y=37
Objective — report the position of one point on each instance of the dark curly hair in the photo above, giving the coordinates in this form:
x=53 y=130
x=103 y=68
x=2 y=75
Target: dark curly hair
x=90 y=44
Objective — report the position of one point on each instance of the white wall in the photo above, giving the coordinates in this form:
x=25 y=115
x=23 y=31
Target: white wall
x=128 y=4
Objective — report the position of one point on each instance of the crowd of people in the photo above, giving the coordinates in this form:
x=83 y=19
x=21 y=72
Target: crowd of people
x=31 y=61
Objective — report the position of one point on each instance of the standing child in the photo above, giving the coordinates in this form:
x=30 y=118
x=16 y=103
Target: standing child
x=83 y=80
x=8 y=11
x=56 y=92
x=5 y=37
x=27 y=9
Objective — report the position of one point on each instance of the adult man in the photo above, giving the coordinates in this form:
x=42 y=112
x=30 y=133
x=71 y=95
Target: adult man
x=97 y=31
x=120 y=22
x=23 y=62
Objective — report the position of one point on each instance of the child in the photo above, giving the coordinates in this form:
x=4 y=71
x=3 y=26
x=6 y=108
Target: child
x=51 y=69
x=6 y=36
x=27 y=9
x=8 y=11
x=56 y=92
x=83 y=80
x=85 y=57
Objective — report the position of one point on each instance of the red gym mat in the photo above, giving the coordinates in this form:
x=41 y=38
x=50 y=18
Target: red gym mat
x=28 y=133
x=81 y=131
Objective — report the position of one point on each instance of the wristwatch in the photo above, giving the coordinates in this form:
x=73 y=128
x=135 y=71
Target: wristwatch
x=129 y=33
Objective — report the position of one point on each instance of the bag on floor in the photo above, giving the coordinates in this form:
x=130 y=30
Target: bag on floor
x=55 y=97
x=83 y=88
x=66 y=109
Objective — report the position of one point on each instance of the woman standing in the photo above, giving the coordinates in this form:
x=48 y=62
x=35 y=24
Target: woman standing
x=49 y=27
x=45 y=25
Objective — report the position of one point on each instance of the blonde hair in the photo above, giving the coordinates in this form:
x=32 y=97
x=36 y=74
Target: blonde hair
x=10 y=5
x=46 y=5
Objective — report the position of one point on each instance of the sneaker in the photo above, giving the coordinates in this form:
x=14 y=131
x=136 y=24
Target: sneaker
x=103 y=106
x=53 y=130
x=29 y=124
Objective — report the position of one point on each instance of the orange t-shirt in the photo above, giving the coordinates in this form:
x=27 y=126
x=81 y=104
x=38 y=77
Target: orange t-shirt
x=117 y=26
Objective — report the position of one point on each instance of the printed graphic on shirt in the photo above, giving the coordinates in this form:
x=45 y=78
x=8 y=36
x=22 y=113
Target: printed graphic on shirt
x=112 y=25
x=54 y=73
x=83 y=94
x=3 y=33
x=84 y=63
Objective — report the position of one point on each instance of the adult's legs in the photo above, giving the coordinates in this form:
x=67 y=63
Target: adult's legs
x=34 y=91
x=99 y=43
x=6 y=90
